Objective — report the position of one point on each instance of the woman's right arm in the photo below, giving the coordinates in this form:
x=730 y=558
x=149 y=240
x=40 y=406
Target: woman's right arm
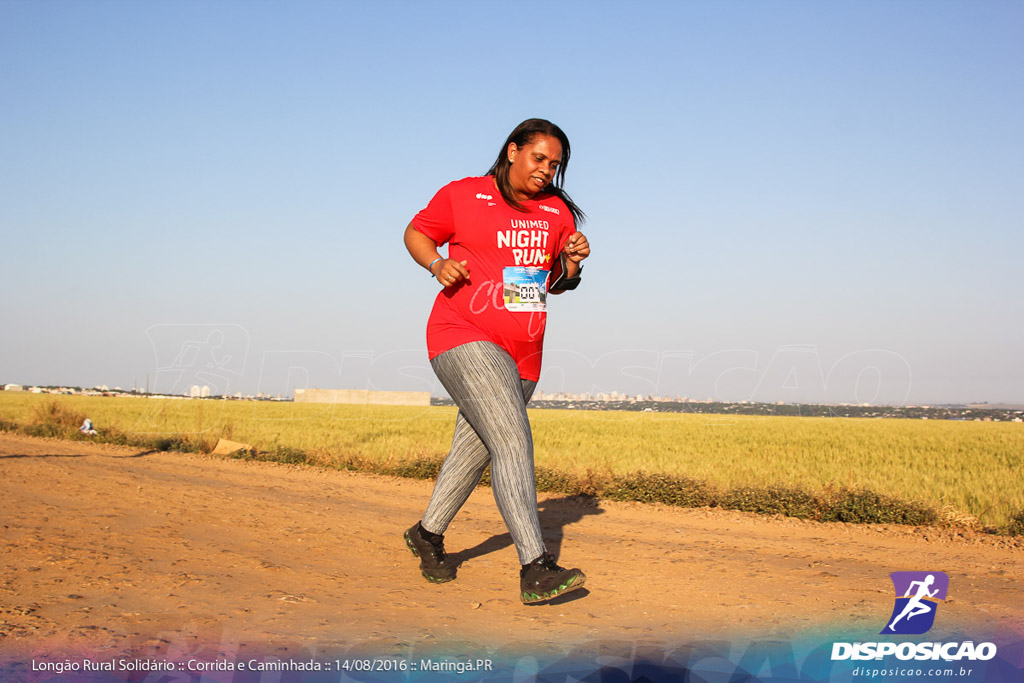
x=423 y=250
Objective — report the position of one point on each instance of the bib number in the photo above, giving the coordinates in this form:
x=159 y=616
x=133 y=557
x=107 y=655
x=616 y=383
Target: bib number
x=526 y=289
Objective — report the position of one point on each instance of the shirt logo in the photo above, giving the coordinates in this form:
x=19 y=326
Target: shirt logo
x=528 y=240
x=549 y=209
x=481 y=195
x=917 y=599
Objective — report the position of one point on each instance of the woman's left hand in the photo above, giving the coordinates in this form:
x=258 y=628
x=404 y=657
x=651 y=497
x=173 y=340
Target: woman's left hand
x=577 y=248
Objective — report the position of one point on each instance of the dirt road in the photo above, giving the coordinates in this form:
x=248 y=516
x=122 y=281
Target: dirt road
x=110 y=550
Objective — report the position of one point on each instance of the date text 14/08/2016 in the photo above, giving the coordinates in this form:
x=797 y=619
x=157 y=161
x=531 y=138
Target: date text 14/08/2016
x=438 y=665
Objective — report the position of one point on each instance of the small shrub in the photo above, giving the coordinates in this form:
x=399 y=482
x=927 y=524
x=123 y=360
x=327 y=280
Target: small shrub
x=422 y=467
x=862 y=506
x=1016 y=525
x=56 y=414
x=556 y=481
x=43 y=430
x=282 y=454
x=177 y=442
x=163 y=444
x=117 y=438
x=645 y=487
x=770 y=500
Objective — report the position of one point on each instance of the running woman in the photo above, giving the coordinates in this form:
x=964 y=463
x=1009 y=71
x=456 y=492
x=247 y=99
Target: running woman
x=511 y=236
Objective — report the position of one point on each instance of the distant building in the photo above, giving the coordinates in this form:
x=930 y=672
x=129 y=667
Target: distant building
x=13 y=387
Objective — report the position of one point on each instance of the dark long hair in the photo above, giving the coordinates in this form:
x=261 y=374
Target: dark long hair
x=524 y=134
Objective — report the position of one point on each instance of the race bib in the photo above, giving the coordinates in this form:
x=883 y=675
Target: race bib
x=526 y=289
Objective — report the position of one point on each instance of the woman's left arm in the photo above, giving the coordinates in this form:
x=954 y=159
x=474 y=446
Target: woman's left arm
x=576 y=249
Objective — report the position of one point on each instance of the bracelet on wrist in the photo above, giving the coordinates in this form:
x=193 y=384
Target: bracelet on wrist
x=430 y=268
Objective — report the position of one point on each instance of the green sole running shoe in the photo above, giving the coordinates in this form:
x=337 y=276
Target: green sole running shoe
x=434 y=563
x=543 y=579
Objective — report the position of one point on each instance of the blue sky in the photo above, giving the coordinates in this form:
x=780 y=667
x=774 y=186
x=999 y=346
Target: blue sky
x=799 y=201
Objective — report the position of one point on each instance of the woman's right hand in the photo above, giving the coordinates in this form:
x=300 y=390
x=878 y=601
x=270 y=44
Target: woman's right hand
x=450 y=272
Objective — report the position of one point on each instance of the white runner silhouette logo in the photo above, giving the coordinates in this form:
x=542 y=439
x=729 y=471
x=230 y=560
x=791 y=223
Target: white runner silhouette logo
x=916 y=601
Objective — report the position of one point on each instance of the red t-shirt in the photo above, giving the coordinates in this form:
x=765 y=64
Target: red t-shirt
x=509 y=254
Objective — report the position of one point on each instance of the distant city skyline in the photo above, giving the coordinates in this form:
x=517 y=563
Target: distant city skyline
x=798 y=202
x=195 y=391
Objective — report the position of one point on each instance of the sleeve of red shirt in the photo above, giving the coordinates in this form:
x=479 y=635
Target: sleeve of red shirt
x=437 y=221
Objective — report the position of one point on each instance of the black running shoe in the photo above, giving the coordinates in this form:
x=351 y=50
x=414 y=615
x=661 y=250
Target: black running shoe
x=434 y=561
x=543 y=579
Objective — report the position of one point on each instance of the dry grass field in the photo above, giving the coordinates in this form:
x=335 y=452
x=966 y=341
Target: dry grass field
x=970 y=471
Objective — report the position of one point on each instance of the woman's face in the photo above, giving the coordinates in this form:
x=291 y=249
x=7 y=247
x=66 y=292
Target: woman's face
x=533 y=165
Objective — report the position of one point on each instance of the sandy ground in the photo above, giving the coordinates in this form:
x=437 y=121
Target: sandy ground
x=110 y=550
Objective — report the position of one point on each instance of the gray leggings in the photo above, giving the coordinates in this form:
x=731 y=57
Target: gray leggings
x=492 y=427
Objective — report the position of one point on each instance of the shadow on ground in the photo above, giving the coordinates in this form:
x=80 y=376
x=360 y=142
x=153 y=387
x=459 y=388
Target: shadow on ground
x=555 y=515
x=81 y=455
